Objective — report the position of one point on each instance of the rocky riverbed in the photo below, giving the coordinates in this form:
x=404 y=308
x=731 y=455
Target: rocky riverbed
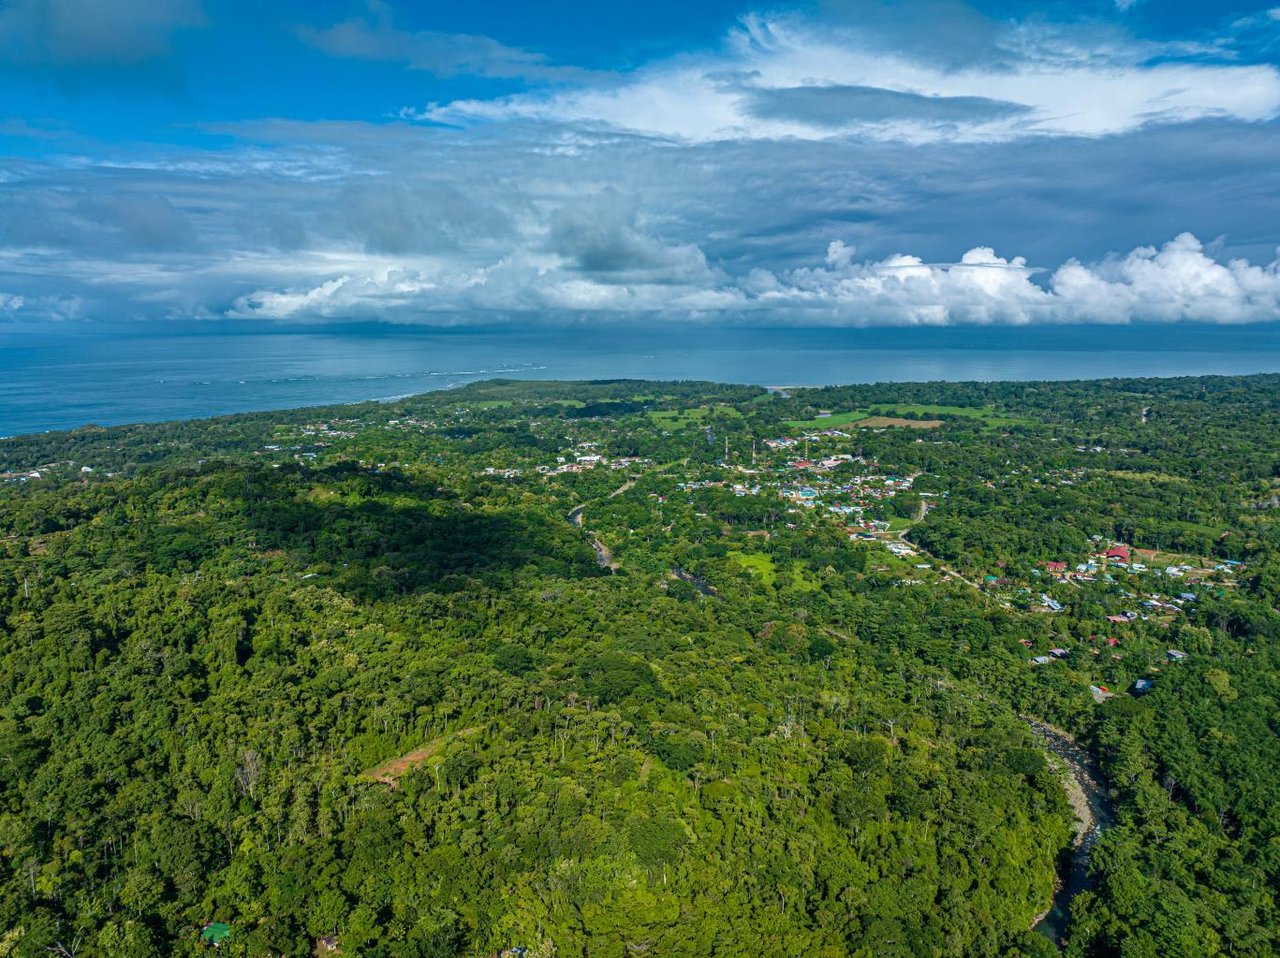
x=1094 y=814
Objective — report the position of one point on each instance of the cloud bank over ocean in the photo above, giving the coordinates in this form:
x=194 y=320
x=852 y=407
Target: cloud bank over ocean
x=824 y=165
x=1176 y=283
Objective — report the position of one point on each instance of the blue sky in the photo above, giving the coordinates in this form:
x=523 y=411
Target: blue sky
x=843 y=162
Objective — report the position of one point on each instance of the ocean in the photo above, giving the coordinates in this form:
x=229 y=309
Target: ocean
x=65 y=377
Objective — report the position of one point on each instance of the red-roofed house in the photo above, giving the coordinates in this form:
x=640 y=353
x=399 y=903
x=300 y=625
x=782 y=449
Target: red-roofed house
x=1056 y=566
x=1118 y=552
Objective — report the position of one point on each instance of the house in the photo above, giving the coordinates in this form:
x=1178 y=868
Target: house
x=1117 y=618
x=1118 y=552
x=1142 y=687
x=1175 y=655
x=1059 y=653
x=1055 y=566
x=1041 y=660
x=1100 y=693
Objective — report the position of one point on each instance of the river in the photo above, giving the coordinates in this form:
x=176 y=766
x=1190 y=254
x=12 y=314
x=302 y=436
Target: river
x=1094 y=815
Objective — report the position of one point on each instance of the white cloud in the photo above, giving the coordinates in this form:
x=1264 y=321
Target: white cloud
x=10 y=303
x=402 y=223
x=1043 y=83
x=1179 y=282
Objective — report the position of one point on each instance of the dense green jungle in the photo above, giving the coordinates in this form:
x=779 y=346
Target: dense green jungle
x=628 y=668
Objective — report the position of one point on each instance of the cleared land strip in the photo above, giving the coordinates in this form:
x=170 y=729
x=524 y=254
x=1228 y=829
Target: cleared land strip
x=884 y=422
x=393 y=769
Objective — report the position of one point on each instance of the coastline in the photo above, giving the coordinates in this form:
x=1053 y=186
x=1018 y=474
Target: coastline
x=152 y=374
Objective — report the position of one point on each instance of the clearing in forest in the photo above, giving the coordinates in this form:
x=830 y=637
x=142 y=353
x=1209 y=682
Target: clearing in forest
x=685 y=418
x=759 y=564
x=831 y=421
x=862 y=417
x=988 y=416
x=393 y=769
x=881 y=422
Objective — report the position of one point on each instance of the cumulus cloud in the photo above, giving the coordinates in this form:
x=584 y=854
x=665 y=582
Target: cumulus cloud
x=91 y=33
x=785 y=77
x=704 y=185
x=1176 y=283
x=1180 y=282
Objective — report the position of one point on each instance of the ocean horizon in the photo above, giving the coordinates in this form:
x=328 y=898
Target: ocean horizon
x=63 y=378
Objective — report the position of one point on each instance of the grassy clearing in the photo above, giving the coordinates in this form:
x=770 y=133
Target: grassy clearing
x=804 y=580
x=762 y=566
x=893 y=422
x=829 y=422
x=1157 y=477
x=674 y=419
x=989 y=416
x=1159 y=558
x=758 y=564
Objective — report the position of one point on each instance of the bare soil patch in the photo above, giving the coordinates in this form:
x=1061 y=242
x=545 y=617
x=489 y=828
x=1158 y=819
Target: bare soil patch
x=393 y=769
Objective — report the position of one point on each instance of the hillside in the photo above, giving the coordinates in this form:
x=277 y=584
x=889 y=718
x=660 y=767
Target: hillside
x=637 y=668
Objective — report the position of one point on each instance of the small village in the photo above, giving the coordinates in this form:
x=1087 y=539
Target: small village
x=824 y=480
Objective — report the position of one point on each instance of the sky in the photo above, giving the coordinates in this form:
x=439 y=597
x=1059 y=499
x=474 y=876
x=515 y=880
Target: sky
x=833 y=162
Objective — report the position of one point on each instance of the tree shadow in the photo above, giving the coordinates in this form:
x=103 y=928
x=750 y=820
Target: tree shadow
x=375 y=535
